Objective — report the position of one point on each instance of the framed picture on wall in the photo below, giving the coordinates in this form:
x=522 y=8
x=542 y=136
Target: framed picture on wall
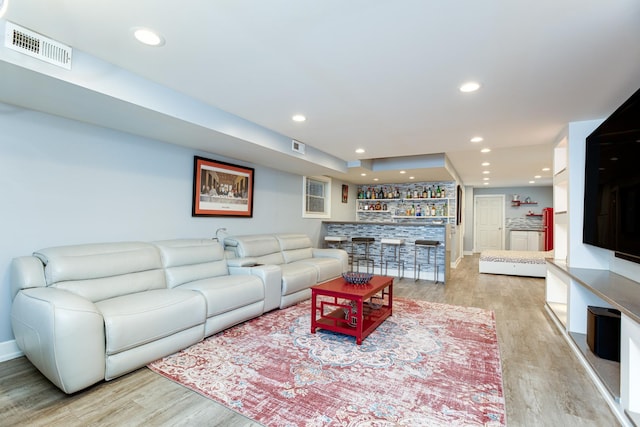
x=459 y=205
x=345 y=193
x=221 y=189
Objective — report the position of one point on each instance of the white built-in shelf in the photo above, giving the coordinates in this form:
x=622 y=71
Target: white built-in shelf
x=634 y=417
x=607 y=370
x=569 y=293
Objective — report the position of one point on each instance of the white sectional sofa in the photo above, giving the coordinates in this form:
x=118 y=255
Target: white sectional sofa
x=87 y=313
x=302 y=265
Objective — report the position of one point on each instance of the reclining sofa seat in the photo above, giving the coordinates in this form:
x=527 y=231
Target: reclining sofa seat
x=232 y=294
x=302 y=265
x=87 y=313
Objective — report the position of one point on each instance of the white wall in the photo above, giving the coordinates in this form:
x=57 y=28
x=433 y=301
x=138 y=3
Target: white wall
x=64 y=182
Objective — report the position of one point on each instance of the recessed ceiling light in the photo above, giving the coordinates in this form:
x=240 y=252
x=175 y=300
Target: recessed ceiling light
x=538 y=176
x=486 y=172
x=298 y=118
x=477 y=139
x=403 y=172
x=470 y=87
x=485 y=183
x=532 y=182
x=546 y=169
x=412 y=177
x=486 y=164
x=485 y=150
x=363 y=174
x=486 y=178
x=376 y=179
x=148 y=37
x=360 y=150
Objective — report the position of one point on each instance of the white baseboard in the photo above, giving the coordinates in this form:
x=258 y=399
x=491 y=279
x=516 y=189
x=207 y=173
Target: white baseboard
x=9 y=350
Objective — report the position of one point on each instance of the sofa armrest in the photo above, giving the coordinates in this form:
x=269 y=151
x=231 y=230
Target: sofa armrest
x=242 y=262
x=26 y=272
x=271 y=276
x=339 y=254
x=62 y=334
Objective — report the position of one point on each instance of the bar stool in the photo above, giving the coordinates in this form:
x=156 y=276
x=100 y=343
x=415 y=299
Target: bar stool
x=429 y=244
x=355 y=258
x=335 y=240
x=397 y=244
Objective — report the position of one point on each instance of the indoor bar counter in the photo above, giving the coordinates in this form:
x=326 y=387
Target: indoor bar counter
x=409 y=231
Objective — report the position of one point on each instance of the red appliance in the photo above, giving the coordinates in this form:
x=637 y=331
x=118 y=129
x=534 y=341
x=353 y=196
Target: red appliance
x=547 y=227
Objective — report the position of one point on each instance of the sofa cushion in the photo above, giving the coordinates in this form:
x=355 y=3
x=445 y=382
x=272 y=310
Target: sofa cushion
x=297 y=254
x=104 y=270
x=187 y=260
x=136 y=319
x=228 y=293
x=253 y=245
x=297 y=276
x=327 y=268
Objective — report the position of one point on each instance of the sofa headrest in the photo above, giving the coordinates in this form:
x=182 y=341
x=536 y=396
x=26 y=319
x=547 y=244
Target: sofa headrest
x=293 y=241
x=252 y=245
x=103 y=270
x=190 y=260
x=93 y=261
x=180 y=252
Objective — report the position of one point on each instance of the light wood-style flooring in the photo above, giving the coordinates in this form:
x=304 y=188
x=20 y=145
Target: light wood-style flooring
x=544 y=384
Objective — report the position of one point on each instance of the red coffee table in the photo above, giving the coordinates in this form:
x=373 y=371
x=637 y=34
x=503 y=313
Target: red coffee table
x=328 y=306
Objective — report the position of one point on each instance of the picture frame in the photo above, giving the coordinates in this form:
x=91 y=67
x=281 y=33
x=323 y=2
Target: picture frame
x=345 y=193
x=459 y=205
x=221 y=189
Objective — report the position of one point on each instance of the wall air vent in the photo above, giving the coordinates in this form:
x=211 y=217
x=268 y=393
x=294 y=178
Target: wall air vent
x=297 y=146
x=36 y=45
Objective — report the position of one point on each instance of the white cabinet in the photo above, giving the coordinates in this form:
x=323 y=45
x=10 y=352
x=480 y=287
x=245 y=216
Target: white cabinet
x=569 y=293
x=521 y=240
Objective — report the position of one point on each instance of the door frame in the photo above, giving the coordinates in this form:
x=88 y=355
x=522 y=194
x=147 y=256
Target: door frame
x=475 y=217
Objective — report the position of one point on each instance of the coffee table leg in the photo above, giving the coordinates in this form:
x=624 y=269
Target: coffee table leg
x=360 y=317
x=313 y=312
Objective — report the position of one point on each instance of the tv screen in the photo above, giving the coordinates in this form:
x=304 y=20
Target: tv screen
x=612 y=183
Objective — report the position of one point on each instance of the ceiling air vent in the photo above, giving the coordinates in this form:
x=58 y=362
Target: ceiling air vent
x=297 y=146
x=36 y=45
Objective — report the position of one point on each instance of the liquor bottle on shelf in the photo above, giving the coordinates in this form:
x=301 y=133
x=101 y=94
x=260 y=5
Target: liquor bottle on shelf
x=438 y=194
x=418 y=211
x=433 y=210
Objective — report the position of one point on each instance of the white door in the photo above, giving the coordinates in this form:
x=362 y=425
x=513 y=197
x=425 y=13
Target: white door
x=489 y=223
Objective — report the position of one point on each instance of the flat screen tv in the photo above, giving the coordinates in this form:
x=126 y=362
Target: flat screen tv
x=612 y=183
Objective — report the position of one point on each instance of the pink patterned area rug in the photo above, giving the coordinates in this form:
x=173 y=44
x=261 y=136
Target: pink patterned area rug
x=427 y=365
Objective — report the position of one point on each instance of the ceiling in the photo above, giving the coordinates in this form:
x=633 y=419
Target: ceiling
x=371 y=74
